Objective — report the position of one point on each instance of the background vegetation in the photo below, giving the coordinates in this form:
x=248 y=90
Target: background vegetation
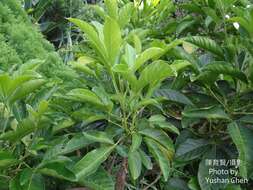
x=125 y=94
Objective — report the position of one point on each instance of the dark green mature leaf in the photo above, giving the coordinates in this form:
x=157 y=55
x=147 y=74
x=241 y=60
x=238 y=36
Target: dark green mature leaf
x=242 y=137
x=206 y=43
x=136 y=142
x=75 y=143
x=58 y=170
x=36 y=182
x=172 y=95
x=25 y=176
x=160 y=121
x=159 y=156
x=161 y=137
x=134 y=163
x=91 y=161
x=211 y=71
x=7 y=159
x=191 y=149
x=97 y=136
x=212 y=112
x=205 y=174
x=176 y=184
x=100 y=180
x=145 y=159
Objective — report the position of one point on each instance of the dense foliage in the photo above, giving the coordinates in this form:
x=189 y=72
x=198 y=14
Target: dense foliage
x=153 y=94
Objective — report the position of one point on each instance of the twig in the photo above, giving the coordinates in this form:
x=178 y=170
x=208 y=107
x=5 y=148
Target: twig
x=154 y=182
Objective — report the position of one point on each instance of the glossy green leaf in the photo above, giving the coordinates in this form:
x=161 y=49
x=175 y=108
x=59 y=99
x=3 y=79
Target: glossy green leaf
x=91 y=161
x=134 y=163
x=146 y=55
x=159 y=156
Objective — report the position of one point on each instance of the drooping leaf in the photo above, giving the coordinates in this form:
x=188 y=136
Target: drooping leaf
x=211 y=71
x=148 y=54
x=145 y=159
x=206 y=43
x=58 y=170
x=241 y=136
x=161 y=137
x=159 y=156
x=172 y=95
x=86 y=96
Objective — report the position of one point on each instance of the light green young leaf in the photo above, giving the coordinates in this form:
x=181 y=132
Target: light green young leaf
x=91 y=34
x=148 y=54
x=112 y=39
x=112 y=8
x=125 y=14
